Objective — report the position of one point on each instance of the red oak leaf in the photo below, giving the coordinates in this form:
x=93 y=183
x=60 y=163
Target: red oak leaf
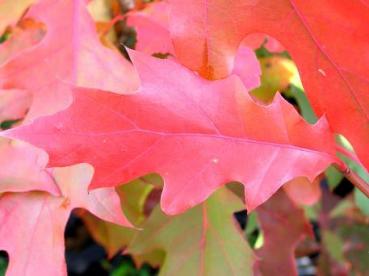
x=153 y=36
x=37 y=245
x=71 y=57
x=197 y=134
x=283 y=225
x=23 y=169
x=206 y=35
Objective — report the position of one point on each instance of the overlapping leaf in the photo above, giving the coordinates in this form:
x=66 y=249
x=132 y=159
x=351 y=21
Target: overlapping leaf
x=33 y=223
x=63 y=59
x=333 y=65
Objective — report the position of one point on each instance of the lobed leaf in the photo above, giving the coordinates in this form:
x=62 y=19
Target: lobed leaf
x=197 y=134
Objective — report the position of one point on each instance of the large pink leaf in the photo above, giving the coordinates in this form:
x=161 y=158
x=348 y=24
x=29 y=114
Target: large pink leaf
x=328 y=40
x=70 y=54
x=197 y=134
x=33 y=223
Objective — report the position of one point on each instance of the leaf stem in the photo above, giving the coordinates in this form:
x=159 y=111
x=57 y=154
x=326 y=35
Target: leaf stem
x=356 y=180
x=348 y=153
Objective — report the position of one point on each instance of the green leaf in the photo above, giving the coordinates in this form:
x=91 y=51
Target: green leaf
x=333 y=245
x=203 y=241
x=334 y=176
x=362 y=202
x=3 y=265
x=128 y=269
x=357 y=247
x=134 y=194
x=302 y=101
